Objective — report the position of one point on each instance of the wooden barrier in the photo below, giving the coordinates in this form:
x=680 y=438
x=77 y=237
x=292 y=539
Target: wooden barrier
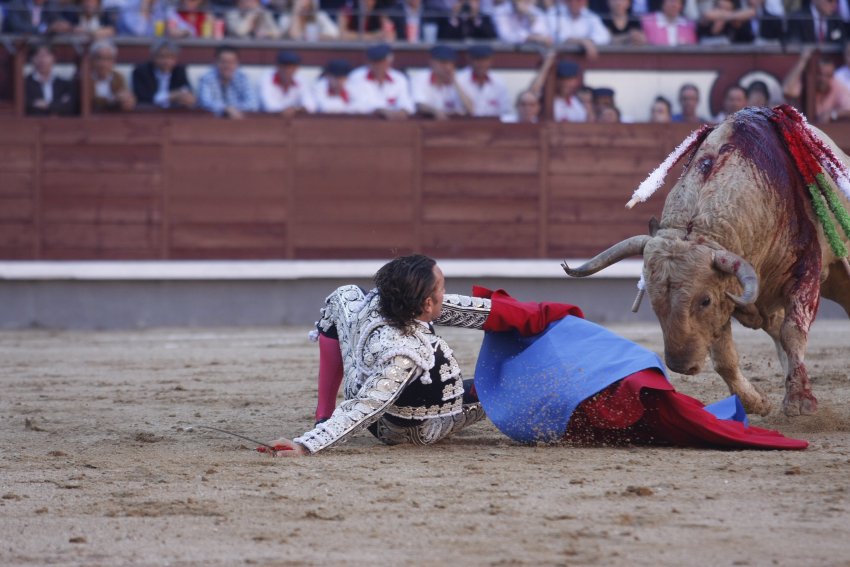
x=191 y=187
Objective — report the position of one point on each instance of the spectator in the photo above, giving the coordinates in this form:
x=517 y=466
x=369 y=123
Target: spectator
x=34 y=17
x=489 y=95
x=571 y=22
x=816 y=22
x=199 y=22
x=407 y=20
x=307 y=23
x=377 y=26
x=689 y=102
x=225 y=90
x=734 y=100
x=608 y=115
x=330 y=92
x=843 y=72
x=149 y=18
x=668 y=27
x=585 y=95
x=109 y=88
x=437 y=93
x=726 y=22
x=466 y=21
x=379 y=88
x=767 y=26
x=661 y=111
x=162 y=82
x=832 y=97
x=623 y=27
x=527 y=108
x=44 y=92
x=520 y=21
x=281 y=92
x=567 y=107
x=90 y=21
x=758 y=94
x=251 y=20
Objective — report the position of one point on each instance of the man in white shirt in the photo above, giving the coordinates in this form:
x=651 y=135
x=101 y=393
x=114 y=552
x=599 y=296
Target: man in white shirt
x=489 y=94
x=571 y=22
x=281 y=92
x=330 y=92
x=379 y=88
x=567 y=107
x=436 y=92
x=520 y=21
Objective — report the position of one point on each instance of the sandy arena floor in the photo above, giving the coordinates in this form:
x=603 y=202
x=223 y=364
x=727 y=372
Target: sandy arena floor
x=97 y=468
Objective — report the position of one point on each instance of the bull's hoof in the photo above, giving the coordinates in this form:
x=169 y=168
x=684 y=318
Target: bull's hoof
x=758 y=405
x=802 y=403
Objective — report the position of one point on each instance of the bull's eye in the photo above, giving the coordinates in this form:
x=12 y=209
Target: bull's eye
x=705 y=165
x=706 y=301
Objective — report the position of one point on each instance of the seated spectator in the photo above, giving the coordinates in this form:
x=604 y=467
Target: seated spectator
x=151 y=18
x=689 y=102
x=377 y=26
x=109 y=89
x=466 y=21
x=307 y=23
x=90 y=21
x=608 y=115
x=520 y=21
x=330 y=92
x=162 y=82
x=527 y=108
x=281 y=92
x=567 y=105
x=380 y=89
x=623 y=27
x=489 y=95
x=251 y=20
x=725 y=22
x=668 y=27
x=734 y=100
x=818 y=22
x=44 y=92
x=225 y=90
x=758 y=94
x=571 y=22
x=199 y=21
x=585 y=95
x=832 y=97
x=437 y=93
x=407 y=17
x=661 y=111
x=35 y=17
x=767 y=26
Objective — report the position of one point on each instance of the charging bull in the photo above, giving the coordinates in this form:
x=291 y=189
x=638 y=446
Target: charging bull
x=740 y=236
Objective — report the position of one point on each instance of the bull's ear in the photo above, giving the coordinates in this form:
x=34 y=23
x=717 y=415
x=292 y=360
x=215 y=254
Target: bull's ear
x=654 y=225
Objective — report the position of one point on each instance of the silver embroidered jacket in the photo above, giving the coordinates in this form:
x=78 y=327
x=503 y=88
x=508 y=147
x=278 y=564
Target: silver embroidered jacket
x=379 y=361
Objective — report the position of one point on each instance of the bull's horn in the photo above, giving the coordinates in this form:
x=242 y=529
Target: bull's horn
x=629 y=247
x=730 y=263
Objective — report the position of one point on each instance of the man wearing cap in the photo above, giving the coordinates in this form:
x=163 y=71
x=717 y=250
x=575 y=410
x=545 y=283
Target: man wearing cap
x=436 y=92
x=331 y=94
x=567 y=107
x=280 y=92
x=162 y=81
x=379 y=88
x=489 y=94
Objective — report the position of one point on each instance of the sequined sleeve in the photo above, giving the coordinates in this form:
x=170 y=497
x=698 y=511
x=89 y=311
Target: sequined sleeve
x=463 y=311
x=373 y=399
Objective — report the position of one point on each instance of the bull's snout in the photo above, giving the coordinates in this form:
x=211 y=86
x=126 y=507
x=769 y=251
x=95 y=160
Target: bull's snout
x=683 y=365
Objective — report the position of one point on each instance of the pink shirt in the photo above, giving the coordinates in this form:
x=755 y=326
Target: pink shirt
x=659 y=31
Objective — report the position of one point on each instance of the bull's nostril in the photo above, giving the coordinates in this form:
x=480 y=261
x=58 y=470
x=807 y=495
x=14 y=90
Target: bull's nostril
x=693 y=370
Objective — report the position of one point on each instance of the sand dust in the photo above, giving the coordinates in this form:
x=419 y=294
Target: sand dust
x=97 y=468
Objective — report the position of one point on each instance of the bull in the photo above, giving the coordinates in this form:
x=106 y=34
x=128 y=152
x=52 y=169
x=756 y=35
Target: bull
x=739 y=238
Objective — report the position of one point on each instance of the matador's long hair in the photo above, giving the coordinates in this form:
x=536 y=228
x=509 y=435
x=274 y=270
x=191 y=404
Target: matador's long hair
x=404 y=284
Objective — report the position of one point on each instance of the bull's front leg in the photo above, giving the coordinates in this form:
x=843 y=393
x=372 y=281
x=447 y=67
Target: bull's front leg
x=724 y=356
x=794 y=338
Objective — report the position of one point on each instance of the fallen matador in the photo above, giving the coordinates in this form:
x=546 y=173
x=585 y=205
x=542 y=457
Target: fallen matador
x=544 y=374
